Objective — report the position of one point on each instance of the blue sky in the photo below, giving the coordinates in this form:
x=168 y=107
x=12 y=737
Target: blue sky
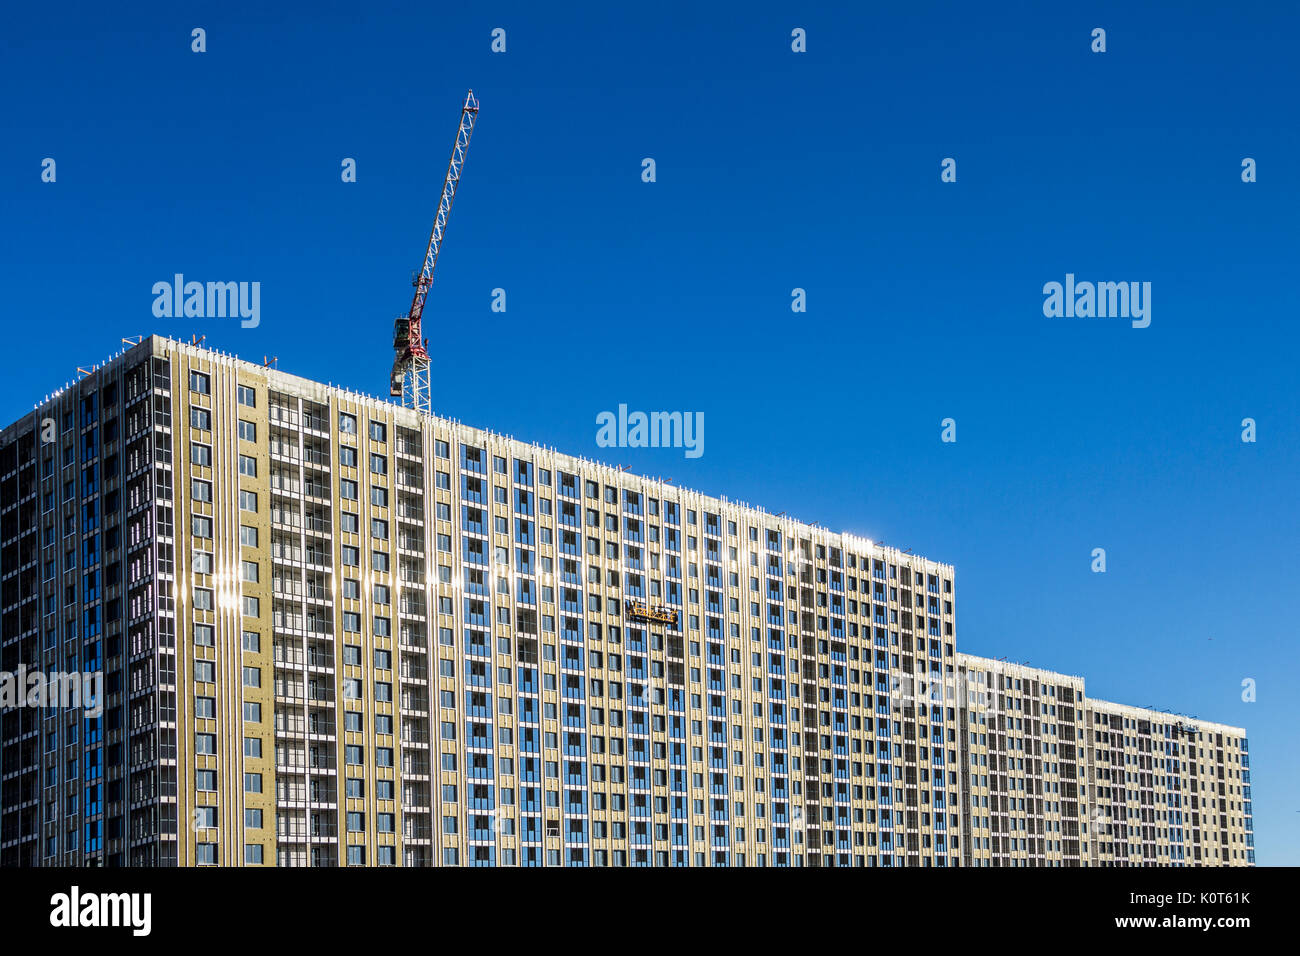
x=775 y=170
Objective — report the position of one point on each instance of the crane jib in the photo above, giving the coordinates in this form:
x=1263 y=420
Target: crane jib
x=410 y=375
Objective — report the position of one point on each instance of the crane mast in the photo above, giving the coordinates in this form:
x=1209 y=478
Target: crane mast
x=410 y=377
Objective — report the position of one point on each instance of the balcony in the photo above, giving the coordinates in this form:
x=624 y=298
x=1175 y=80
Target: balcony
x=283 y=415
x=321 y=759
x=287 y=655
x=415 y=763
x=414 y=699
x=288 y=688
x=411 y=671
x=412 y=606
x=319 y=658
x=413 y=829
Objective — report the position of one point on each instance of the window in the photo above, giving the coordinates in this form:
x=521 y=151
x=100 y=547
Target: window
x=200 y=490
x=253 y=853
x=348 y=490
x=378 y=496
x=203 y=599
x=378 y=431
x=249 y=571
x=204 y=635
x=347 y=423
x=205 y=707
x=247 y=501
x=201 y=419
x=199 y=382
x=205 y=672
x=247 y=431
x=252 y=642
x=252 y=712
x=248 y=536
x=248 y=466
x=200 y=455
x=201 y=527
x=252 y=783
x=205 y=744
x=347 y=456
x=252 y=677
x=247 y=396
x=379 y=464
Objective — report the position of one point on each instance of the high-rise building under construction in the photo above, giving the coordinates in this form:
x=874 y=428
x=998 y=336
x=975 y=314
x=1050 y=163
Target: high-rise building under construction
x=334 y=631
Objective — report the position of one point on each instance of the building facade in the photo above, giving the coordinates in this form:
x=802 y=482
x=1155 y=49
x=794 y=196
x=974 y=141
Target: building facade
x=334 y=632
x=1022 y=765
x=1166 y=790
x=1052 y=777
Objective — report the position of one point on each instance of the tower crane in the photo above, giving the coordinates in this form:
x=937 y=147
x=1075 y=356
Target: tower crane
x=410 y=377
